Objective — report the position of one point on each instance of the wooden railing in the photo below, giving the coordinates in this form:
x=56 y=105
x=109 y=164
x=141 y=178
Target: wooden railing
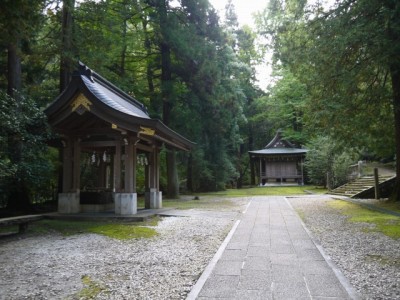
x=356 y=171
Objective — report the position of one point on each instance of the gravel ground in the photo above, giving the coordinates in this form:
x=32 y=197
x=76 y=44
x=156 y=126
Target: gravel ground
x=167 y=266
x=370 y=260
x=163 y=267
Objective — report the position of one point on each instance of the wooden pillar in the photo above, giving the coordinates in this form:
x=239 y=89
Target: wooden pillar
x=102 y=173
x=134 y=153
x=67 y=167
x=252 y=172
x=117 y=167
x=376 y=184
x=69 y=199
x=154 y=196
x=76 y=177
x=147 y=173
x=260 y=178
x=153 y=169
x=157 y=168
x=130 y=167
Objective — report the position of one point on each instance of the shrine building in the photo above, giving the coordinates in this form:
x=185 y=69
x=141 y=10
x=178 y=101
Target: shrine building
x=105 y=136
x=279 y=162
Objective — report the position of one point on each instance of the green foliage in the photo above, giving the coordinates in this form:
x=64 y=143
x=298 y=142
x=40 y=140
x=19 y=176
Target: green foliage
x=340 y=56
x=24 y=156
x=327 y=162
x=210 y=87
x=282 y=109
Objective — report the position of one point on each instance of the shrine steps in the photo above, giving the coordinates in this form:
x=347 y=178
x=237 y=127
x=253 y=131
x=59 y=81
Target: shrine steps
x=364 y=187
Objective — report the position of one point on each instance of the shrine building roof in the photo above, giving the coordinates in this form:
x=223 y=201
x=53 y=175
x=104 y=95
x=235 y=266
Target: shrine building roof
x=90 y=103
x=279 y=146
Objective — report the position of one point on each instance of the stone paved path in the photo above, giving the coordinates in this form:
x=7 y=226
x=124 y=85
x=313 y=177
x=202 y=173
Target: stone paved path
x=269 y=255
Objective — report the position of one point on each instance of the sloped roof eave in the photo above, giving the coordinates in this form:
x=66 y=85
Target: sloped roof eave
x=279 y=151
x=111 y=105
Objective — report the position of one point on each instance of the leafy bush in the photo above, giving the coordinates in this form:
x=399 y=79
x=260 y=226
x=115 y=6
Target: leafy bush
x=25 y=168
x=327 y=162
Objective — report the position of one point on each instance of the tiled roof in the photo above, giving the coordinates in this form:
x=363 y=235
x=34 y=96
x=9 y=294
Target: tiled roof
x=272 y=151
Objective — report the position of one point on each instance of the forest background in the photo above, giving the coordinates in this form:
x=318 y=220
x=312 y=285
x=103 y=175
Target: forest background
x=335 y=86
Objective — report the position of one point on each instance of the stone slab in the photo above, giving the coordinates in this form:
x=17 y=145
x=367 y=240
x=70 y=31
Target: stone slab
x=271 y=255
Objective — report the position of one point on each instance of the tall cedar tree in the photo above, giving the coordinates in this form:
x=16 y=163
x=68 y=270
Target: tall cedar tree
x=18 y=20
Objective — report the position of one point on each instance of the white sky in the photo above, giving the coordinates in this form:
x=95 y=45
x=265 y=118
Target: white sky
x=244 y=10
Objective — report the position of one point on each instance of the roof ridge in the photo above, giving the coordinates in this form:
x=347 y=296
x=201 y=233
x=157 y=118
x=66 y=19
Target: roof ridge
x=278 y=138
x=85 y=70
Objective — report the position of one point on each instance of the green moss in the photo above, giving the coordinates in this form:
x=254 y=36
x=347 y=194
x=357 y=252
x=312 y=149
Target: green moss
x=223 y=199
x=91 y=290
x=384 y=223
x=383 y=260
x=205 y=202
x=394 y=206
x=153 y=221
x=268 y=191
x=122 y=231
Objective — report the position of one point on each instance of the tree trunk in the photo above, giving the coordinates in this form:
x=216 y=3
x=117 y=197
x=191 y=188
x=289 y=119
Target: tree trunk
x=66 y=65
x=166 y=93
x=123 y=50
x=172 y=171
x=393 y=32
x=18 y=198
x=66 y=62
x=252 y=169
x=395 y=74
x=14 y=73
x=189 y=179
x=172 y=175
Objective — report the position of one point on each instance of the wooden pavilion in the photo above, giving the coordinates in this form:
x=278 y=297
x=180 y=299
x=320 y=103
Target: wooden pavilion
x=279 y=162
x=109 y=133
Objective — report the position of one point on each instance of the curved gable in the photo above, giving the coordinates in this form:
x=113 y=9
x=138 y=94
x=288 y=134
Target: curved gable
x=92 y=102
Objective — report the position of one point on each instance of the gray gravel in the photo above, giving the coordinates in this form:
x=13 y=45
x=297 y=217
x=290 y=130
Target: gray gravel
x=370 y=260
x=167 y=266
x=164 y=267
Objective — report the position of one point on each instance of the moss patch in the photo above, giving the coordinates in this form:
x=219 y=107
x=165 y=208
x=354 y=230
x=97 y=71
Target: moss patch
x=268 y=191
x=394 y=206
x=386 y=224
x=383 y=260
x=91 y=290
x=121 y=231
x=223 y=199
x=205 y=202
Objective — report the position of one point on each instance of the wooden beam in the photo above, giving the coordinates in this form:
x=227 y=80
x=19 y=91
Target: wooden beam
x=144 y=147
x=98 y=144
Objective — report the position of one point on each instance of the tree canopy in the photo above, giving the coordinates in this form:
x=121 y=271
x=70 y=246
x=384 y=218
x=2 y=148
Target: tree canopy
x=336 y=75
x=347 y=57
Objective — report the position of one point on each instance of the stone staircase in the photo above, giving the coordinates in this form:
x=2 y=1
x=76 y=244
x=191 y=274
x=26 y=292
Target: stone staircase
x=361 y=187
